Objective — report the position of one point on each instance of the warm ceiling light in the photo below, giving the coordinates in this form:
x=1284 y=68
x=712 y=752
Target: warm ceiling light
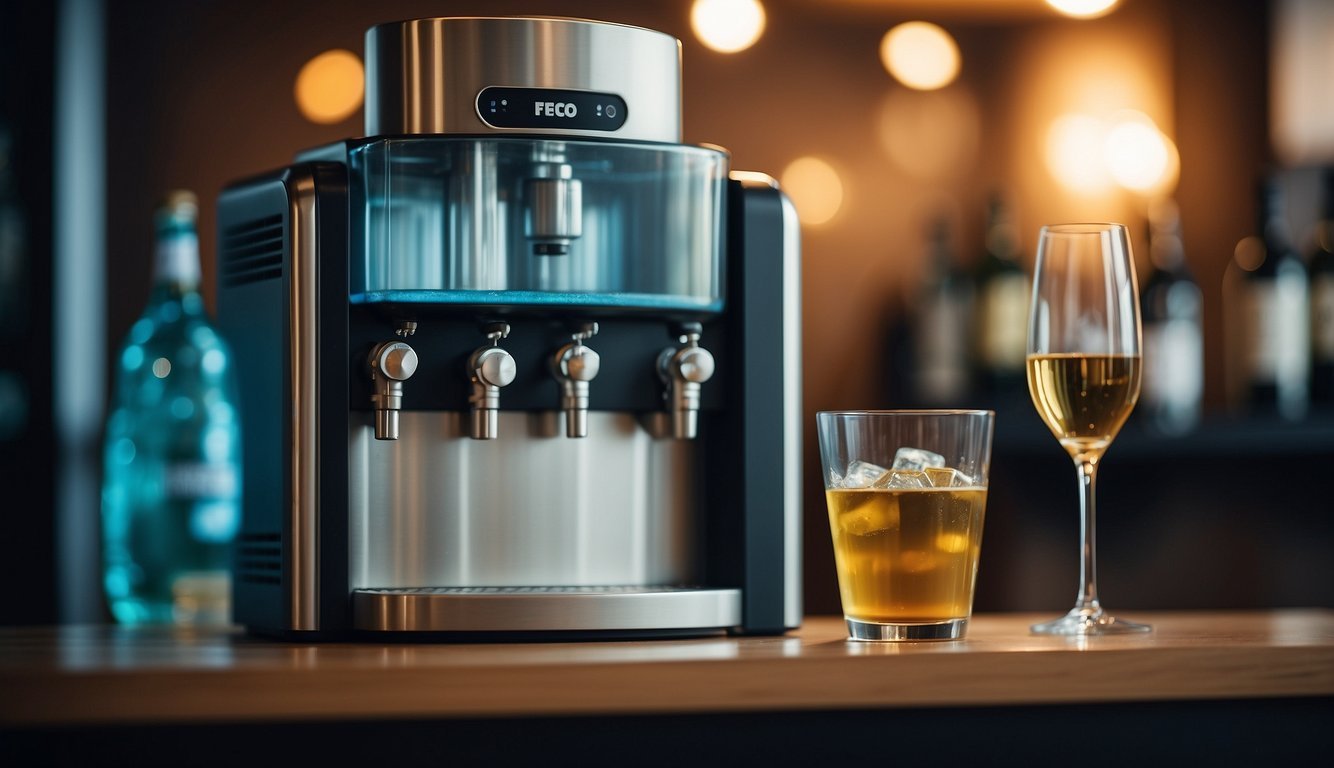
x=329 y=88
x=920 y=55
x=727 y=26
x=1138 y=155
x=1083 y=9
x=815 y=189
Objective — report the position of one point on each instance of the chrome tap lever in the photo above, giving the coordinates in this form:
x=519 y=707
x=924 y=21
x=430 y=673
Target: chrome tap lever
x=391 y=364
x=574 y=365
x=683 y=369
x=490 y=368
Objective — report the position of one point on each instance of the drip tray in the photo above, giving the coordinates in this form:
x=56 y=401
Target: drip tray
x=545 y=609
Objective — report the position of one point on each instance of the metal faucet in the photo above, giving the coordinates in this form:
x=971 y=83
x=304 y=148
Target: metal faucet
x=490 y=368
x=391 y=364
x=683 y=369
x=574 y=365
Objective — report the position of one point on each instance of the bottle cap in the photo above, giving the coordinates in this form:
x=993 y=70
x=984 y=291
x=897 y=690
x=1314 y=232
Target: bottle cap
x=179 y=204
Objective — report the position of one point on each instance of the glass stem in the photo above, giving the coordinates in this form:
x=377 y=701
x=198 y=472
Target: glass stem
x=1087 y=602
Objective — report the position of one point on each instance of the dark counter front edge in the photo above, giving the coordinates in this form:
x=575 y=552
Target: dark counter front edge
x=1220 y=733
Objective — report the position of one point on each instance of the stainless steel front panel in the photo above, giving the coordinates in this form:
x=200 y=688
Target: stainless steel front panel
x=436 y=508
x=522 y=609
x=423 y=76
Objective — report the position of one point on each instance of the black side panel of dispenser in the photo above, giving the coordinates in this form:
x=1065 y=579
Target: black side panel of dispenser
x=751 y=465
x=253 y=265
x=257 y=219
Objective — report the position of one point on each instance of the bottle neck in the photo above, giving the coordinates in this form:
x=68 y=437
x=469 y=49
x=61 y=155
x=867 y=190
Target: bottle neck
x=940 y=259
x=1270 y=222
x=1000 y=240
x=1275 y=233
x=176 y=267
x=1166 y=252
x=1001 y=248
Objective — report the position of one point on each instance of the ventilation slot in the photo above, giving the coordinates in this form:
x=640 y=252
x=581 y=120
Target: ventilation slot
x=259 y=558
x=252 y=251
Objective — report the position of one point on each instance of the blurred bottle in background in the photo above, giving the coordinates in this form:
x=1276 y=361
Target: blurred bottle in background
x=171 y=488
x=1171 y=306
x=941 y=321
x=1000 y=324
x=1321 y=263
x=1266 y=318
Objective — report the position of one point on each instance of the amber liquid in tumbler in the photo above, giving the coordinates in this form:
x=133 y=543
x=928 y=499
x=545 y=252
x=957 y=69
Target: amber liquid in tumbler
x=1084 y=399
x=906 y=556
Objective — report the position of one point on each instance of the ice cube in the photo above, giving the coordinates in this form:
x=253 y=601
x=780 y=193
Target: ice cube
x=855 y=523
x=916 y=561
x=904 y=478
x=863 y=474
x=947 y=477
x=879 y=513
x=916 y=458
x=953 y=543
x=835 y=479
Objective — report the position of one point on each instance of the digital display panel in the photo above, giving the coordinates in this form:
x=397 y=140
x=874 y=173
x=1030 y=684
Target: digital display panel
x=551 y=108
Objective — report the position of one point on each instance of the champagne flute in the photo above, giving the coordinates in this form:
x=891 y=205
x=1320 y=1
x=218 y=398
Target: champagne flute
x=1084 y=375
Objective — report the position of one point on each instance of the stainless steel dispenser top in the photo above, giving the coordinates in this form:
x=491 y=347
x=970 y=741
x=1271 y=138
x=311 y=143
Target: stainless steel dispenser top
x=427 y=76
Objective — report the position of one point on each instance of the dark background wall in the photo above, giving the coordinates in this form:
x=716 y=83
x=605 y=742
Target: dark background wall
x=27 y=444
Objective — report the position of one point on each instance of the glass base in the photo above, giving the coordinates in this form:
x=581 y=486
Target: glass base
x=951 y=629
x=1089 y=621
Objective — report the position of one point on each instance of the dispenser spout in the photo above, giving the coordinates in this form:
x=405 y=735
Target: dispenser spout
x=391 y=364
x=553 y=199
x=490 y=368
x=574 y=366
x=683 y=369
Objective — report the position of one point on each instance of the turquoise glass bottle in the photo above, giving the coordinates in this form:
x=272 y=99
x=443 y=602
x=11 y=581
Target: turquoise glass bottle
x=172 y=466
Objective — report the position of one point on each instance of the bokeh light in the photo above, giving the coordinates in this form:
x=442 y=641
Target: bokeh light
x=330 y=87
x=1089 y=155
x=1075 y=153
x=1083 y=9
x=920 y=55
x=1138 y=156
x=815 y=189
x=727 y=26
x=1249 y=253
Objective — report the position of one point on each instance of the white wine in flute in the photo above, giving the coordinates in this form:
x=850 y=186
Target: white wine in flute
x=1084 y=399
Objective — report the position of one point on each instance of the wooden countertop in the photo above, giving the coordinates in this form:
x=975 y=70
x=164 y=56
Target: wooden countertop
x=103 y=674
